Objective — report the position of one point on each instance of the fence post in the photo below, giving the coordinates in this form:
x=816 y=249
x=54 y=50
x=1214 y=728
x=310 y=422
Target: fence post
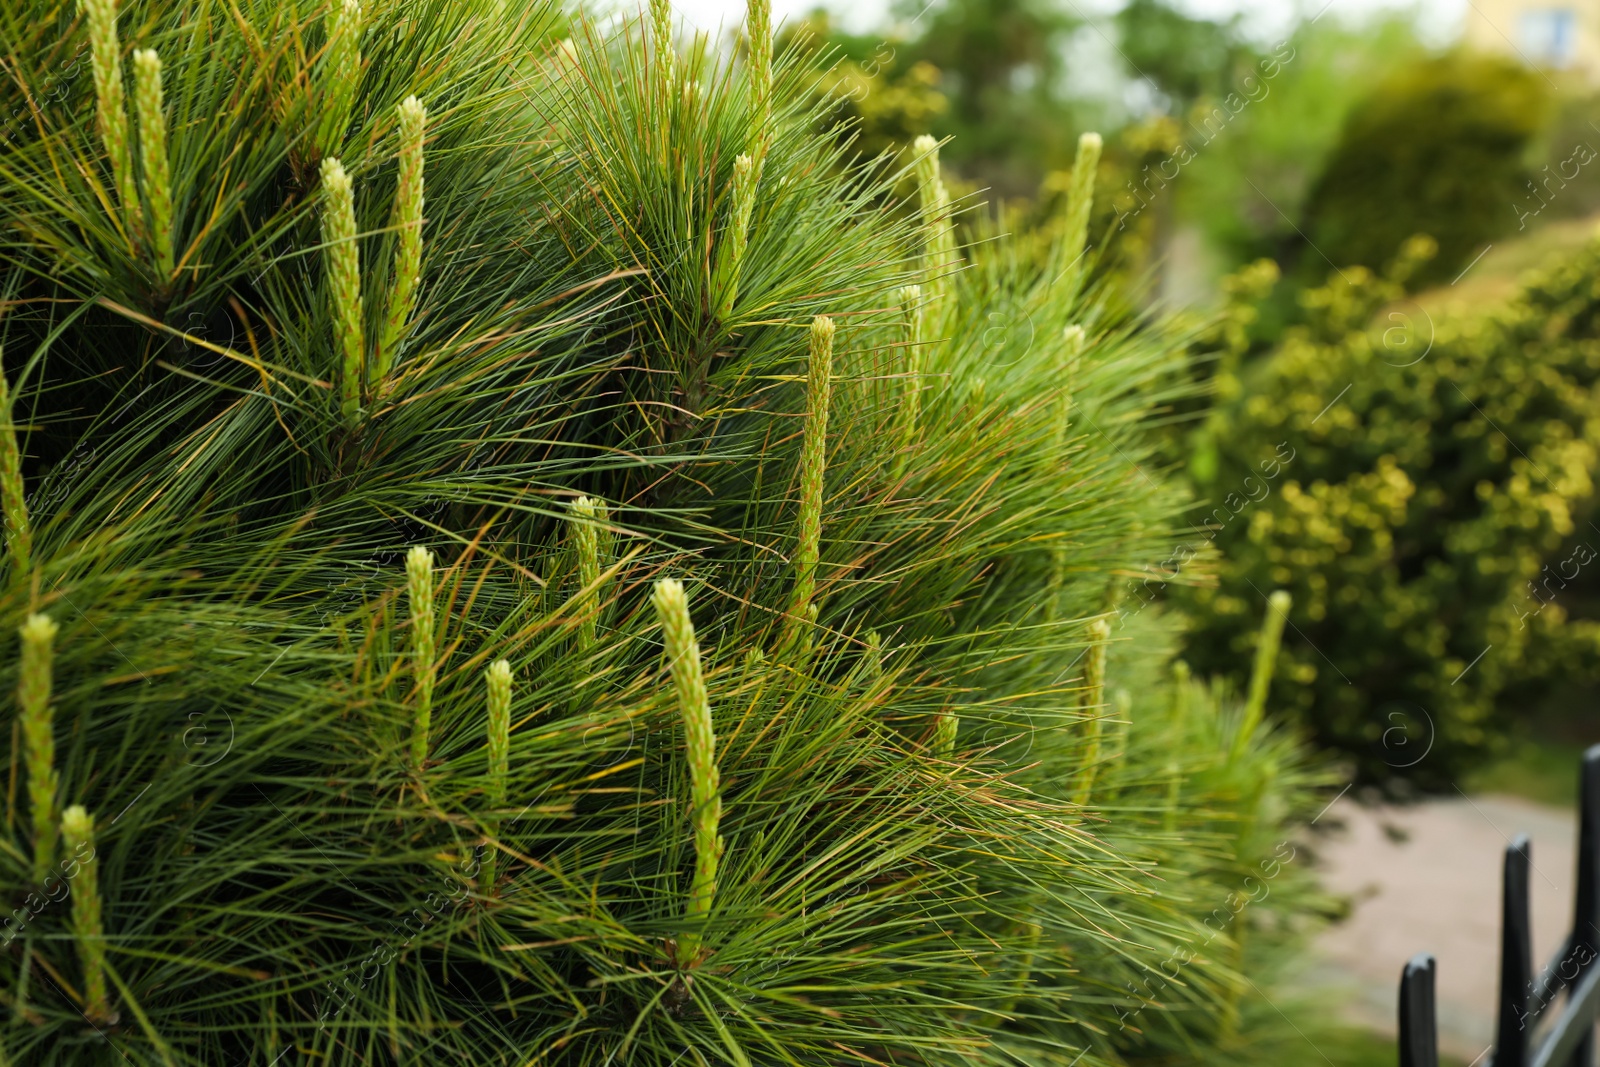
x=1586 y=910
x=1419 y=1035
x=1516 y=958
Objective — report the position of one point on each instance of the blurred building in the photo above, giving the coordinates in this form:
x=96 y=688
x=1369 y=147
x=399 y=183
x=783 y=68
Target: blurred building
x=1554 y=34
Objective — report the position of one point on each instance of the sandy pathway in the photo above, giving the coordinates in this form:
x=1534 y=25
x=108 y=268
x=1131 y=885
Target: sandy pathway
x=1427 y=878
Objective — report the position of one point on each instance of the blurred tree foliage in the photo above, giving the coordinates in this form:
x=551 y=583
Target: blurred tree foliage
x=1245 y=187
x=1184 y=57
x=1001 y=67
x=1437 y=147
x=1425 y=491
x=1347 y=133
x=1242 y=133
x=882 y=99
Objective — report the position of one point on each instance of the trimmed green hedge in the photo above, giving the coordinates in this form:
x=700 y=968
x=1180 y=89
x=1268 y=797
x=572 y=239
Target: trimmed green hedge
x=1437 y=148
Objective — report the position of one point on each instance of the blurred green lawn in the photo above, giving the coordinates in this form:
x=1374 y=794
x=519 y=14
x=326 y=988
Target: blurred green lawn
x=1493 y=279
x=1361 y=1048
x=1541 y=770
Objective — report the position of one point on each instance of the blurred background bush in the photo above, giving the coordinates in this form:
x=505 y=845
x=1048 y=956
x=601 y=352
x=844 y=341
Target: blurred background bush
x=1343 y=205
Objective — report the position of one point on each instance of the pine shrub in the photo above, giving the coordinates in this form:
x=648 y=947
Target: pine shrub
x=525 y=553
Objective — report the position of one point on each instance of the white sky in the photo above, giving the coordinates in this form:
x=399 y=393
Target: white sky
x=1265 y=19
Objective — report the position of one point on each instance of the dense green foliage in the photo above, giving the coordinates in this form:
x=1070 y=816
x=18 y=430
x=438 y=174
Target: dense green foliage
x=1425 y=489
x=1436 y=148
x=367 y=749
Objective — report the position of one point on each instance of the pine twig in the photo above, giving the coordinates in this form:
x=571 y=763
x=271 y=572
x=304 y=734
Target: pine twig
x=157 y=174
x=39 y=739
x=111 y=109
x=688 y=681
x=813 y=461
x=1261 y=676
x=407 y=272
x=1090 y=702
x=497 y=679
x=19 y=531
x=344 y=277
x=77 y=828
x=419 y=584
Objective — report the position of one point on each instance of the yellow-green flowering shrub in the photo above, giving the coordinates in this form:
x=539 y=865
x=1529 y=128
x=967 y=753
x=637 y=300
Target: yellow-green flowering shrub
x=1437 y=470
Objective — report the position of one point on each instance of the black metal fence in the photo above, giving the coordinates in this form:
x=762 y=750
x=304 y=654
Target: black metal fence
x=1525 y=1036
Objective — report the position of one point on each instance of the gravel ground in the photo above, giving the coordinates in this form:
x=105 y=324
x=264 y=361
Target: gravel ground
x=1426 y=878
